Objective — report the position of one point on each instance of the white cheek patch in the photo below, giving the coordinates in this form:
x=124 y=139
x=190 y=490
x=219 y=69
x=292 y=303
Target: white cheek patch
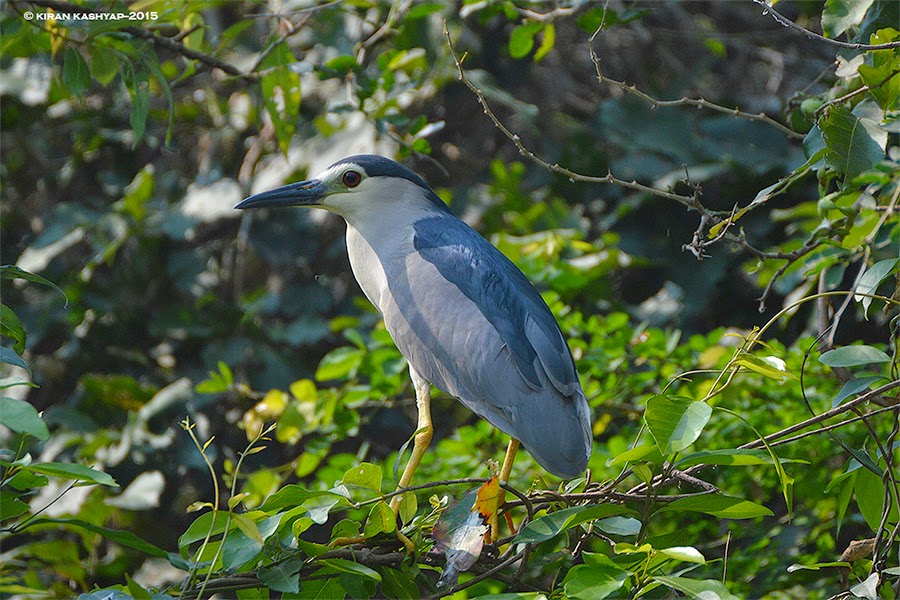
x=334 y=173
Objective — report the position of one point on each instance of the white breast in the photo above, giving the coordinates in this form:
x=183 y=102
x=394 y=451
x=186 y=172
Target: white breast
x=367 y=268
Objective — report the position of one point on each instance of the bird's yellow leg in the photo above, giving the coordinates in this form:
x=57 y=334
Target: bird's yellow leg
x=505 y=470
x=425 y=430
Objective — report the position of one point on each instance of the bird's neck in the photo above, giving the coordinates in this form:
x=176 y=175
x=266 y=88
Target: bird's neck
x=378 y=245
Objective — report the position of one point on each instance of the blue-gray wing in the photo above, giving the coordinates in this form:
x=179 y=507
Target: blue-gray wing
x=505 y=297
x=471 y=323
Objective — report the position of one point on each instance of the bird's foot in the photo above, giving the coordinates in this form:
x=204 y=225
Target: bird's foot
x=407 y=543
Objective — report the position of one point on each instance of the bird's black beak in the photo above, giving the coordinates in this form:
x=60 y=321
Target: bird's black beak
x=305 y=193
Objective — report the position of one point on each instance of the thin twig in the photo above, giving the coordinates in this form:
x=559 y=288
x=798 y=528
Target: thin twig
x=684 y=101
x=782 y=20
x=687 y=201
x=860 y=90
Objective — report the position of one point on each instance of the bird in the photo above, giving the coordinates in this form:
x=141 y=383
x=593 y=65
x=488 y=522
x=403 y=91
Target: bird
x=466 y=319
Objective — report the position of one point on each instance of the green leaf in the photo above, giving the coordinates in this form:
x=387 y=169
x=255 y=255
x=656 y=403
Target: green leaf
x=423 y=9
x=348 y=566
x=151 y=62
x=14 y=272
x=282 y=576
x=321 y=505
x=139 y=89
x=288 y=497
x=399 y=584
x=73 y=471
x=248 y=526
x=521 y=40
x=238 y=549
x=329 y=588
x=729 y=457
x=548 y=40
x=366 y=475
x=767 y=366
x=123 y=538
x=304 y=390
x=138 y=192
x=854 y=144
x=854 y=356
x=869 y=490
x=685 y=554
x=549 y=526
x=11 y=358
x=343 y=64
x=595 y=581
x=137 y=592
x=854 y=386
x=717 y=505
x=340 y=363
x=211 y=523
x=76 y=75
x=11 y=506
x=381 y=520
x=871 y=279
x=706 y=589
x=644 y=453
x=818 y=566
x=280 y=87
x=675 y=422
x=105 y=64
x=840 y=15
x=11 y=327
x=619 y=525
x=22 y=417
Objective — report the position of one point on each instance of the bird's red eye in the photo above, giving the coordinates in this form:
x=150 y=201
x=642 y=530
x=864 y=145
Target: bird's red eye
x=351 y=179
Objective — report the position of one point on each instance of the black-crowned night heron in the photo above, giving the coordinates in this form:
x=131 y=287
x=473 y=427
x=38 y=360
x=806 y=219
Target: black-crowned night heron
x=466 y=319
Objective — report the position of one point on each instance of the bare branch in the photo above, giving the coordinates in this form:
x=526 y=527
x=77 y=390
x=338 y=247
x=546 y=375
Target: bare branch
x=687 y=201
x=684 y=101
x=782 y=20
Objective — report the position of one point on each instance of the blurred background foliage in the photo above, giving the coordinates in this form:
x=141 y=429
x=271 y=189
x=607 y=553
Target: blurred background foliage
x=125 y=145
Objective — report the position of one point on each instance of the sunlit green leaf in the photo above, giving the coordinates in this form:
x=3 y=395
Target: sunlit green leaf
x=381 y=520
x=11 y=327
x=348 y=566
x=73 y=471
x=340 y=363
x=364 y=475
x=675 y=422
x=521 y=40
x=729 y=457
x=717 y=505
